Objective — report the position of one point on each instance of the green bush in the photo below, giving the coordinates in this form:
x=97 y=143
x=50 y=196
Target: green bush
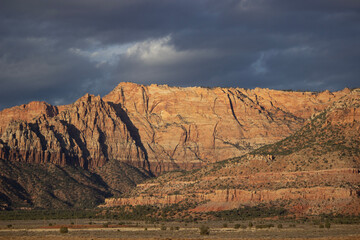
x=64 y=230
x=163 y=228
x=246 y=212
x=327 y=225
x=237 y=226
x=204 y=230
x=316 y=222
x=280 y=225
x=225 y=225
x=177 y=228
x=264 y=226
x=250 y=225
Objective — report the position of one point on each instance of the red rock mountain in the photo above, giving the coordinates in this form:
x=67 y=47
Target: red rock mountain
x=153 y=128
x=159 y=128
x=183 y=128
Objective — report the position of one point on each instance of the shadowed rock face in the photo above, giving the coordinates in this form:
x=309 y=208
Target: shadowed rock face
x=157 y=128
x=49 y=186
x=87 y=134
x=68 y=148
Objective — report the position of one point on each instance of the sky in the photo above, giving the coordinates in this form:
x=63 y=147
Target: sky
x=56 y=51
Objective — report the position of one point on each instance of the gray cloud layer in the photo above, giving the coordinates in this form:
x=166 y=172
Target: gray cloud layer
x=58 y=50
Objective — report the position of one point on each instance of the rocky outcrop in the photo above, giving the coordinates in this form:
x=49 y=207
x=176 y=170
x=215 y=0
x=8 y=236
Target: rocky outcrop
x=219 y=200
x=183 y=128
x=335 y=189
x=86 y=133
x=26 y=113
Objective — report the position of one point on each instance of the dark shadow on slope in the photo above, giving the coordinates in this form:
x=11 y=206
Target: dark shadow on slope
x=35 y=128
x=12 y=193
x=134 y=132
x=102 y=141
x=75 y=134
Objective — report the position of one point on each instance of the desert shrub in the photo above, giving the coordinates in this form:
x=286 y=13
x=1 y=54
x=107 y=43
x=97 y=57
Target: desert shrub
x=50 y=224
x=163 y=228
x=225 y=225
x=247 y=212
x=105 y=225
x=345 y=219
x=145 y=229
x=48 y=214
x=204 y=230
x=250 y=224
x=9 y=226
x=177 y=228
x=237 y=226
x=327 y=225
x=316 y=222
x=292 y=225
x=171 y=228
x=280 y=225
x=264 y=226
x=243 y=226
x=321 y=226
x=64 y=230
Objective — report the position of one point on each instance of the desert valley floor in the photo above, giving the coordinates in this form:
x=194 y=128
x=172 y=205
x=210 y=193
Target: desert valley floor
x=82 y=230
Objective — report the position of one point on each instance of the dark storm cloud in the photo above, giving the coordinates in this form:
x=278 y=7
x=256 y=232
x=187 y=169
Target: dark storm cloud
x=58 y=50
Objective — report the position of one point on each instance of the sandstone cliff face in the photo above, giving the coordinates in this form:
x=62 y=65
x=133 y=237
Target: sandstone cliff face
x=182 y=128
x=86 y=133
x=26 y=112
x=310 y=192
x=308 y=200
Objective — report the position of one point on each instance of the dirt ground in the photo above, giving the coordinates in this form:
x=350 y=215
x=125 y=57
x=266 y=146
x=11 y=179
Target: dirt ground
x=96 y=230
x=84 y=238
